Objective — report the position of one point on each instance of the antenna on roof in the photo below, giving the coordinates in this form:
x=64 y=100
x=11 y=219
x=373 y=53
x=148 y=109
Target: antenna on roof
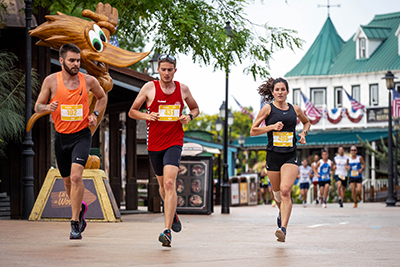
x=328 y=6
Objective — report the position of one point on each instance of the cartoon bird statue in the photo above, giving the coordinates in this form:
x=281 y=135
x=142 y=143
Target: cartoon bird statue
x=92 y=38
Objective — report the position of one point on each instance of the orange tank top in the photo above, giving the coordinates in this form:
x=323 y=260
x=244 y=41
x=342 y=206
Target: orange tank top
x=72 y=113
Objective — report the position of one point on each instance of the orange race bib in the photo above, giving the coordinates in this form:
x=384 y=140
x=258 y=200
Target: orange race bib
x=283 y=139
x=169 y=112
x=71 y=112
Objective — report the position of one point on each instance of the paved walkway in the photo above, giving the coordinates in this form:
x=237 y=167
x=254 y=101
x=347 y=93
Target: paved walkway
x=366 y=236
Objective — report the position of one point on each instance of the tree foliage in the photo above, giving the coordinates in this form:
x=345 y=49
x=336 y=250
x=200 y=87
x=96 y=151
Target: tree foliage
x=194 y=27
x=381 y=153
x=12 y=100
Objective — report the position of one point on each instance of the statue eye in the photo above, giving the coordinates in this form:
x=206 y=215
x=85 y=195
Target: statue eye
x=100 y=32
x=97 y=37
x=95 y=41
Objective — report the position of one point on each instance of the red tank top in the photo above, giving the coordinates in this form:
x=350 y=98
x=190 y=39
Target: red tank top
x=168 y=130
x=72 y=113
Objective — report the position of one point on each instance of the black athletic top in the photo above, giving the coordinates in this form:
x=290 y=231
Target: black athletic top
x=283 y=141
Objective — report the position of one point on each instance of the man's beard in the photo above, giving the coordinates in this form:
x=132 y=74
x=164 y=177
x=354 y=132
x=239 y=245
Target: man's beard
x=70 y=71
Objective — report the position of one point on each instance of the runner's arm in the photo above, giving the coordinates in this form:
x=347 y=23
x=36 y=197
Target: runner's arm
x=98 y=92
x=192 y=104
x=262 y=115
x=44 y=95
x=134 y=112
x=362 y=164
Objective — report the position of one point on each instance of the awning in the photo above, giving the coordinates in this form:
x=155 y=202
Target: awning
x=325 y=138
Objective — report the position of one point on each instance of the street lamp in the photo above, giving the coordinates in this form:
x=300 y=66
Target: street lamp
x=154 y=63
x=241 y=140
x=390 y=201
x=27 y=153
x=225 y=185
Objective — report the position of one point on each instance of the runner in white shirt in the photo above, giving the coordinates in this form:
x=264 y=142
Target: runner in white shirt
x=305 y=174
x=341 y=172
x=315 y=180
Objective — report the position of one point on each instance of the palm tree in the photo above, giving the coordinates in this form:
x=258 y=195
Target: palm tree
x=12 y=100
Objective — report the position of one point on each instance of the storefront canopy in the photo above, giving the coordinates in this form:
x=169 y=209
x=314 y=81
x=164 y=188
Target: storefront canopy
x=325 y=138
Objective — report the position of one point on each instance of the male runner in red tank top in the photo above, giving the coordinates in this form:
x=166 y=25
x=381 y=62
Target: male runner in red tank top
x=164 y=103
x=68 y=92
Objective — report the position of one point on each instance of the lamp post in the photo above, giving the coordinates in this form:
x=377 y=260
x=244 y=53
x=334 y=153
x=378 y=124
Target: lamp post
x=390 y=201
x=154 y=63
x=225 y=185
x=241 y=140
x=27 y=153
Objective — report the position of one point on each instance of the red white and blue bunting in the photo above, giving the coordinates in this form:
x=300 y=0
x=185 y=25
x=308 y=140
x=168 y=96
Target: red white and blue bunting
x=335 y=115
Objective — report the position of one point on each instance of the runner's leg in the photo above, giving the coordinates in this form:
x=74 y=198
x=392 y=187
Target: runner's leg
x=77 y=190
x=288 y=177
x=170 y=197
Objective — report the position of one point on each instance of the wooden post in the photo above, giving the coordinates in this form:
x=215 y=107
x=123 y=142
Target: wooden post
x=115 y=157
x=131 y=187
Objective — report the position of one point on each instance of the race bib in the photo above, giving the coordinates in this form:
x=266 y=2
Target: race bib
x=283 y=139
x=325 y=176
x=71 y=112
x=354 y=173
x=169 y=112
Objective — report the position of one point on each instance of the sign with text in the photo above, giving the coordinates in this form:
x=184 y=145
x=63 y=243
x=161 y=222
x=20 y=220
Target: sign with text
x=58 y=204
x=378 y=114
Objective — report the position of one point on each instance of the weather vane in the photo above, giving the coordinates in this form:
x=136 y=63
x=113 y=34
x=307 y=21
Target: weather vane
x=328 y=6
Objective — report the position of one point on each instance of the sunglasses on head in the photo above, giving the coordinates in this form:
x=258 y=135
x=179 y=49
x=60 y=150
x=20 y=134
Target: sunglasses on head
x=162 y=57
x=353 y=149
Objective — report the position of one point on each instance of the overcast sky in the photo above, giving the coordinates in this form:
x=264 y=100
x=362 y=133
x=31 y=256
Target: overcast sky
x=304 y=16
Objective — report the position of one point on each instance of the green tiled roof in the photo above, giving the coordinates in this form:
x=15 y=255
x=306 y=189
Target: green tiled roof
x=375 y=32
x=322 y=138
x=385 y=57
x=321 y=54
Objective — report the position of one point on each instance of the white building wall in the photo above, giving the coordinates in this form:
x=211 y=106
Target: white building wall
x=305 y=83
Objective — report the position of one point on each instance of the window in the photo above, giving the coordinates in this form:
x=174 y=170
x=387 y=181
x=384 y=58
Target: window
x=318 y=97
x=362 y=47
x=397 y=87
x=338 y=97
x=355 y=92
x=373 y=95
x=296 y=97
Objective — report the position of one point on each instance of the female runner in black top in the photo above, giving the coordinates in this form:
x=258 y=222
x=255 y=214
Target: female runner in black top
x=282 y=162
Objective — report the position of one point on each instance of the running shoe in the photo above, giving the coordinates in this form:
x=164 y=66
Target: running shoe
x=278 y=220
x=82 y=221
x=304 y=204
x=75 y=231
x=176 y=224
x=165 y=238
x=316 y=201
x=280 y=233
x=324 y=205
x=340 y=203
x=355 y=205
x=273 y=203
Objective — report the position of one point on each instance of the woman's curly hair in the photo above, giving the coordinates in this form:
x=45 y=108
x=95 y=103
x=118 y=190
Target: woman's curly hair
x=265 y=89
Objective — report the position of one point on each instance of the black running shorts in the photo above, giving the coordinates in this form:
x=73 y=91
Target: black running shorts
x=169 y=156
x=323 y=183
x=275 y=160
x=355 y=180
x=72 y=148
x=344 y=182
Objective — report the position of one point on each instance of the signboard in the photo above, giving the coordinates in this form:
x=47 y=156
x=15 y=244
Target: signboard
x=234 y=191
x=378 y=114
x=244 y=200
x=194 y=185
x=59 y=205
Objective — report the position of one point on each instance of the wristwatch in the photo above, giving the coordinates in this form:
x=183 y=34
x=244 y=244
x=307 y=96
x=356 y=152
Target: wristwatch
x=191 y=116
x=304 y=131
x=96 y=113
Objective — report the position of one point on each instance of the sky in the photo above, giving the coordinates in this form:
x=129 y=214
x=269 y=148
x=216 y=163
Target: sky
x=304 y=16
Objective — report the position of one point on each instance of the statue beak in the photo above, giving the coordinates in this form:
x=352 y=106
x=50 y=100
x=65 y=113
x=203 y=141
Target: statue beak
x=114 y=56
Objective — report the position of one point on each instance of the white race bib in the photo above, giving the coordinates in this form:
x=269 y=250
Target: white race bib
x=283 y=139
x=169 y=112
x=71 y=112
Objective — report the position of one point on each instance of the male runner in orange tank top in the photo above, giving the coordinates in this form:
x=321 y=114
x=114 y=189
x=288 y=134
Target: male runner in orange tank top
x=68 y=93
x=164 y=102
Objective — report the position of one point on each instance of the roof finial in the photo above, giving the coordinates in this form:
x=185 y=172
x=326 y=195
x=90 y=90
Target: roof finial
x=328 y=6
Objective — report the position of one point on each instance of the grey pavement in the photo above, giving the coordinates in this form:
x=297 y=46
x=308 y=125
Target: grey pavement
x=366 y=236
